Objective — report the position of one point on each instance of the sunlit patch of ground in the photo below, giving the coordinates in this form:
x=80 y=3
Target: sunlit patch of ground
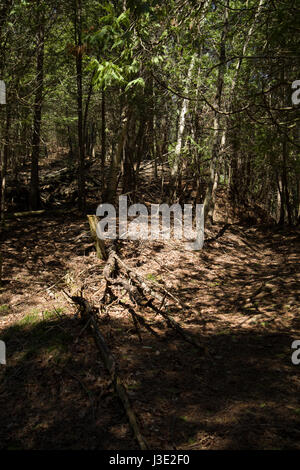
x=241 y=299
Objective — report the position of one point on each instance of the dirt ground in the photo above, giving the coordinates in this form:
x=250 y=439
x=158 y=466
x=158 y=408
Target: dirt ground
x=242 y=302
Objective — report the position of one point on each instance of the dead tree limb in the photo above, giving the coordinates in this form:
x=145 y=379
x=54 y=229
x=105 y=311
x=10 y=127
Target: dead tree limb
x=149 y=291
x=144 y=285
x=139 y=318
x=88 y=312
x=143 y=294
x=175 y=325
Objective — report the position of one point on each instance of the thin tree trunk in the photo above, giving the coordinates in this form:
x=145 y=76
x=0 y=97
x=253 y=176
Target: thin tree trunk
x=103 y=135
x=176 y=168
x=209 y=201
x=81 y=153
x=34 y=195
x=4 y=165
x=280 y=200
x=112 y=180
x=233 y=165
x=285 y=155
x=285 y=179
x=85 y=119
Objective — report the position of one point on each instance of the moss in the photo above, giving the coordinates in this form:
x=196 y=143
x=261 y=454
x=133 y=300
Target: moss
x=37 y=334
x=4 y=308
x=153 y=277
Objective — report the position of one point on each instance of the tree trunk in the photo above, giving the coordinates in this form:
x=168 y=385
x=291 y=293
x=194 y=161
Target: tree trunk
x=209 y=201
x=4 y=165
x=103 y=136
x=112 y=180
x=34 y=194
x=80 y=130
x=233 y=183
x=176 y=168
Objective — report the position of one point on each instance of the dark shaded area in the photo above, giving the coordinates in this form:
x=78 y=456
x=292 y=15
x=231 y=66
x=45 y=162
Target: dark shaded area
x=56 y=394
x=243 y=294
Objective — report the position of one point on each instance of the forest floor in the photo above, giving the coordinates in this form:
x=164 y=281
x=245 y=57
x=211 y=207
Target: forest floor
x=241 y=294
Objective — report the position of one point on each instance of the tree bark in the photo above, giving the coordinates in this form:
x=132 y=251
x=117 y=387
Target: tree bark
x=112 y=180
x=176 y=168
x=103 y=135
x=209 y=201
x=34 y=194
x=80 y=130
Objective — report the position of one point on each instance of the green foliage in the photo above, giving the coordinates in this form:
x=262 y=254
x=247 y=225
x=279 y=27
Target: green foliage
x=140 y=57
x=4 y=309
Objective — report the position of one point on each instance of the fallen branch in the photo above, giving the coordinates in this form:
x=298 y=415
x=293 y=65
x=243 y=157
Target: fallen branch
x=89 y=313
x=175 y=325
x=144 y=285
x=139 y=289
x=219 y=234
x=139 y=318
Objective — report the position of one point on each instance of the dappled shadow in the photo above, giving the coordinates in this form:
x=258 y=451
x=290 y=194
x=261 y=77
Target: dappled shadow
x=253 y=273
x=54 y=391
x=38 y=252
x=56 y=394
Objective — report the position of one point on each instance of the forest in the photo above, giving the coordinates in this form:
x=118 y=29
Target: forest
x=129 y=342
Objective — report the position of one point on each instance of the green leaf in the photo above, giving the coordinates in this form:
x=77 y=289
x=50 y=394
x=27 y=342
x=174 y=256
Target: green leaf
x=137 y=82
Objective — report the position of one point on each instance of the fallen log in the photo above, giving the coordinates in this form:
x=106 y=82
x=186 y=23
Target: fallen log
x=27 y=214
x=145 y=286
x=89 y=313
x=138 y=291
x=175 y=325
x=41 y=212
x=139 y=318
